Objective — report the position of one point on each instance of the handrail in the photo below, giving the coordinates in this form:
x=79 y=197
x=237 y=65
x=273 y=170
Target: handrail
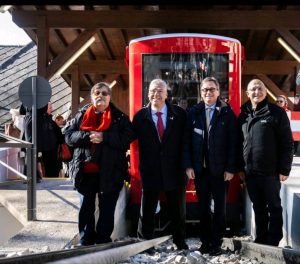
x=13 y=170
x=11 y=142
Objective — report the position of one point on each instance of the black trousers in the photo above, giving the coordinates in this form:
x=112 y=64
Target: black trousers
x=264 y=193
x=176 y=208
x=51 y=164
x=212 y=223
x=89 y=233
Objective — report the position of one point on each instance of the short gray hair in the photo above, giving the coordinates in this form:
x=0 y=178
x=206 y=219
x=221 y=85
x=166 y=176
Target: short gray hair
x=99 y=86
x=158 y=82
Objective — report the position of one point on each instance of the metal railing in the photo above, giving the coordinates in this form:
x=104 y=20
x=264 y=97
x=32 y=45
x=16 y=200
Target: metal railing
x=11 y=142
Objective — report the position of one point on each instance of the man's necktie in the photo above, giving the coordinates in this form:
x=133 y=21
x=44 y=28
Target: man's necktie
x=208 y=110
x=160 y=125
x=207 y=117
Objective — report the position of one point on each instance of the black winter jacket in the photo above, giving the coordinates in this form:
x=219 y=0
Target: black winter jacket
x=266 y=142
x=110 y=154
x=46 y=128
x=160 y=162
x=222 y=140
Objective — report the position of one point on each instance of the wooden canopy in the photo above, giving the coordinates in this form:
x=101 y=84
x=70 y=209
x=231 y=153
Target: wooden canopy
x=59 y=31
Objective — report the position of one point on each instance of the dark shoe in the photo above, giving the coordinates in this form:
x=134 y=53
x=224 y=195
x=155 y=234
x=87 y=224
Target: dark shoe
x=181 y=245
x=215 y=251
x=205 y=248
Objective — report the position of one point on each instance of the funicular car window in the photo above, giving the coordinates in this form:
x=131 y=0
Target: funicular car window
x=183 y=72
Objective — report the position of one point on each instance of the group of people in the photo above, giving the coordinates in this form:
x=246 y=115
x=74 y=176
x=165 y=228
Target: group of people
x=48 y=164
x=208 y=144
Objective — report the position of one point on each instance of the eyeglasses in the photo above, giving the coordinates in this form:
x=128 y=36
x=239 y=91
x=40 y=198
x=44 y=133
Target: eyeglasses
x=280 y=101
x=156 y=91
x=103 y=93
x=205 y=90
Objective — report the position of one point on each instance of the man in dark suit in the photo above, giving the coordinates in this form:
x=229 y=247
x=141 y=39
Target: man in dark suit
x=209 y=157
x=159 y=129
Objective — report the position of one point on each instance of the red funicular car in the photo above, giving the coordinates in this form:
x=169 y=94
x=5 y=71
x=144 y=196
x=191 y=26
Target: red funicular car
x=183 y=60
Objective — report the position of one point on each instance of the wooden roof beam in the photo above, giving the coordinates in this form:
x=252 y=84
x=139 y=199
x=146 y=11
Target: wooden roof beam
x=101 y=67
x=279 y=67
x=181 y=19
x=105 y=44
x=289 y=38
x=273 y=87
x=59 y=61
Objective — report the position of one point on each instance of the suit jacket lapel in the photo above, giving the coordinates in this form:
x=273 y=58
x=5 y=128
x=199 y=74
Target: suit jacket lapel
x=169 y=124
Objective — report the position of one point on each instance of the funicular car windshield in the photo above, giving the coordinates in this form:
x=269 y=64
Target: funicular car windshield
x=184 y=72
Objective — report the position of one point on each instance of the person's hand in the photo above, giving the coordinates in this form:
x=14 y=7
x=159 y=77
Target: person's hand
x=228 y=176
x=190 y=173
x=242 y=175
x=282 y=177
x=96 y=137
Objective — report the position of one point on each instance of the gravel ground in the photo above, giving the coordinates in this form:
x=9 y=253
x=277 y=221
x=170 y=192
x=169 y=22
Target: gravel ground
x=168 y=253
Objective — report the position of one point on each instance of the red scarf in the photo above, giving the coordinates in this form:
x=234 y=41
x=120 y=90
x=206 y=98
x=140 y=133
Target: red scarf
x=90 y=122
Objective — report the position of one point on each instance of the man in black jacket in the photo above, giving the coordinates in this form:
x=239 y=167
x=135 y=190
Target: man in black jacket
x=267 y=151
x=100 y=135
x=210 y=158
x=159 y=130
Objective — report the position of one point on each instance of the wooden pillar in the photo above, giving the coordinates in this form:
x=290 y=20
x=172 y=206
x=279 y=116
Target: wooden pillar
x=75 y=85
x=42 y=46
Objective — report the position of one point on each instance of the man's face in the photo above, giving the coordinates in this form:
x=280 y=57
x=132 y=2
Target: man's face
x=256 y=92
x=101 y=98
x=157 y=95
x=209 y=92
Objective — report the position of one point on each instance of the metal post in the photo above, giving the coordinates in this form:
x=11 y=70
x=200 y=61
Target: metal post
x=32 y=177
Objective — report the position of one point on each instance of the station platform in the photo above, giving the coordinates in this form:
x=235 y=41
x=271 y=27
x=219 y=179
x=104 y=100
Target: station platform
x=57 y=207
x=57 y=213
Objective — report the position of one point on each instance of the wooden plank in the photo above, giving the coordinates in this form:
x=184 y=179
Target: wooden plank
x=274 y=88
x=176 y=18
x=59 y=61
x=101 y=67
x=279 y=67
x=75 y=91
x=42 y=47
x=290 y=39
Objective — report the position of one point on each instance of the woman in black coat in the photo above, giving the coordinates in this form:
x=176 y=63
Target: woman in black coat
x=48 y=138
x=100 y=135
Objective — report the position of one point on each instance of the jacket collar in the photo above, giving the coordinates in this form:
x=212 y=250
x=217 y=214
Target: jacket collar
x=220 y=105
x=261 y=108
x=170 y=111
x=171 y=115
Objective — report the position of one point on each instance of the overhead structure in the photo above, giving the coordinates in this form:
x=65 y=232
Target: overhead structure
x=60 y=31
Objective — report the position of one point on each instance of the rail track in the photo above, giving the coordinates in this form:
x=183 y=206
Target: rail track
x=122 y=250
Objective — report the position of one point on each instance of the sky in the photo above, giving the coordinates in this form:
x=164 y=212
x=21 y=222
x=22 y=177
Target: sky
x=10 y=33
